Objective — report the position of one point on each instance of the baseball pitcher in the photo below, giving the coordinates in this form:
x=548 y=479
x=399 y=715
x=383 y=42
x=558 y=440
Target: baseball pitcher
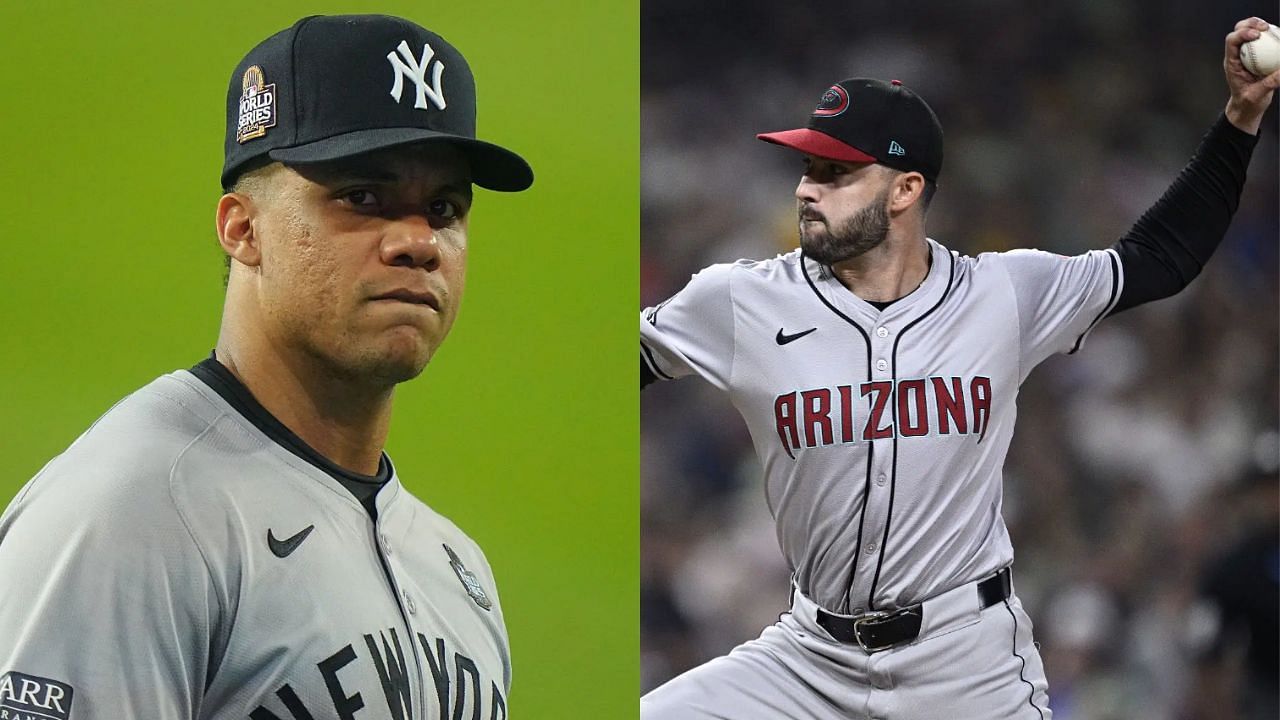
x=877 y=372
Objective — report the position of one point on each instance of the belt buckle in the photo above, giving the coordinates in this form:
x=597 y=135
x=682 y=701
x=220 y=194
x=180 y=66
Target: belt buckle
x=868 y=618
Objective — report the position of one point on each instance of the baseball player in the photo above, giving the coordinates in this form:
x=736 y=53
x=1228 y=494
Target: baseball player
x=877 y=372
x=231 y=541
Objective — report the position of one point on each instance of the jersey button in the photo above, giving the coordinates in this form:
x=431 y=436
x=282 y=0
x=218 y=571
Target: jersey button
x=882 y=332
x=880 y=481
x=881 y=365
x=409 y=604
x=871 y=548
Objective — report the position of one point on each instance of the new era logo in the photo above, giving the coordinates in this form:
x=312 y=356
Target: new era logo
x=895 y=148
x=27 y=696
x=406 y=65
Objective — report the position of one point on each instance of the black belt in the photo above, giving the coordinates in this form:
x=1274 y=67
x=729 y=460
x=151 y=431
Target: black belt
x=878 y=631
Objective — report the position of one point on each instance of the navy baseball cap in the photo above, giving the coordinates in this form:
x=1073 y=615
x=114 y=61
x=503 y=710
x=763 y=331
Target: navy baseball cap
x=865 y=120
x=335 y=86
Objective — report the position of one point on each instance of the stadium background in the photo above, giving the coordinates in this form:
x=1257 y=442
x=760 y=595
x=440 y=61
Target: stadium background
x=111 y=128
x=1142 y=478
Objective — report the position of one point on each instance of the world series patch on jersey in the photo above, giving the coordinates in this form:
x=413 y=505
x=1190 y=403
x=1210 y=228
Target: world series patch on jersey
x=176 y=562
x=882 y=434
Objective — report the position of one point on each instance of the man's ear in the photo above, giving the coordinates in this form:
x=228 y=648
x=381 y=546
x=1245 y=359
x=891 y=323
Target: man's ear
x=235 y=219
x=908 y=189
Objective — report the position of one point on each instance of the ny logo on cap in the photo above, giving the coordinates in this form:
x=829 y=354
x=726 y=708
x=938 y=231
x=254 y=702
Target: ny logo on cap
x=406 y=66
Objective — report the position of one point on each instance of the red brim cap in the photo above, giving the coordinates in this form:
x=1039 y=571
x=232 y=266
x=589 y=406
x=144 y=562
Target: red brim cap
x=816 y=143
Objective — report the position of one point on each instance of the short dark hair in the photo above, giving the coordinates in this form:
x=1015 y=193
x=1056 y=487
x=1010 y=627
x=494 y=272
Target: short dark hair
x=930 y=187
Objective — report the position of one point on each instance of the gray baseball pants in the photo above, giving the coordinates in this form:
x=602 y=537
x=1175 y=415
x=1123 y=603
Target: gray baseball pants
x=966 y=664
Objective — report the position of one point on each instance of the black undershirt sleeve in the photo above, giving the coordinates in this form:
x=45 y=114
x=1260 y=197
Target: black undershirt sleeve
x=646 y=375
x=1169 y=245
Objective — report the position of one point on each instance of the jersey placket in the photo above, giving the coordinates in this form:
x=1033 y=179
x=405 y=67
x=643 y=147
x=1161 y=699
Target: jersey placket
x=880 y=401
x=881 y=431
x=876 y=363
x=383 y=533
x=891 y=337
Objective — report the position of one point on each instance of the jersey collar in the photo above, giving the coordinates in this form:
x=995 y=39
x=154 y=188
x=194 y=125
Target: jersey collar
x=937 y=283
x=228 y=386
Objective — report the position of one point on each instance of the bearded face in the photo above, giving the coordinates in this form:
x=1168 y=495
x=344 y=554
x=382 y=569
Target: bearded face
x=831 y=240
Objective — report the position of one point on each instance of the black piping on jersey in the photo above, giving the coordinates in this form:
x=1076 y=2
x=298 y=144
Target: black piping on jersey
x=653 y=314
x=866 y=488
x=1031 y=697
x=893 y=466
x=228 y=386
x=1115 y=287
x=647 y=356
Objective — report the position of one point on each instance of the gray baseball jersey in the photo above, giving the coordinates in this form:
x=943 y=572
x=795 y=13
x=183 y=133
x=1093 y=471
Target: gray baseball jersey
x=176 y=562
x=882 y=434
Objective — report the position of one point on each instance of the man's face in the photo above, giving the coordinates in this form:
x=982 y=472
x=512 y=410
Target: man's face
x=843 y=208
x=364 y=259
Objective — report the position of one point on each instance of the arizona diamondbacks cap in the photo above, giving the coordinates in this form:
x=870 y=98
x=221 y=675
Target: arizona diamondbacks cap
x=865 y=120
x=334 y=86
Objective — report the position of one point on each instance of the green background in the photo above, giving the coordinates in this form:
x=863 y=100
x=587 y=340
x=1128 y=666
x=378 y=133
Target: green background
x=523 y=429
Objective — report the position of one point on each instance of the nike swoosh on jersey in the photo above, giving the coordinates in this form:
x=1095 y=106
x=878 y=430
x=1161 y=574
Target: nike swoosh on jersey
x=783 y=338
x=284 y=548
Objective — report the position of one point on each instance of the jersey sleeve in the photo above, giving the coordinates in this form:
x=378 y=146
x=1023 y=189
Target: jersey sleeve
x=106 y=603
x=1060 y=299
x=692 y=333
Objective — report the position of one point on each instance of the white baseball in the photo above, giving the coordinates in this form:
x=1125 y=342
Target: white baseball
x=1262 y=56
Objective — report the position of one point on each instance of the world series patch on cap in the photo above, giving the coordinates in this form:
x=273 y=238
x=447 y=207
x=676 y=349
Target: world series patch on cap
x=866 y=120
x=335 y=86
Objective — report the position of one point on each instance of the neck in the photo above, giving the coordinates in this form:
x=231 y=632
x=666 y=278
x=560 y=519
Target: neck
x=344 y=422
x=889 y=271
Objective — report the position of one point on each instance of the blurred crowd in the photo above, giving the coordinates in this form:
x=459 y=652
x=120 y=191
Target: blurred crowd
x=1141 y=487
